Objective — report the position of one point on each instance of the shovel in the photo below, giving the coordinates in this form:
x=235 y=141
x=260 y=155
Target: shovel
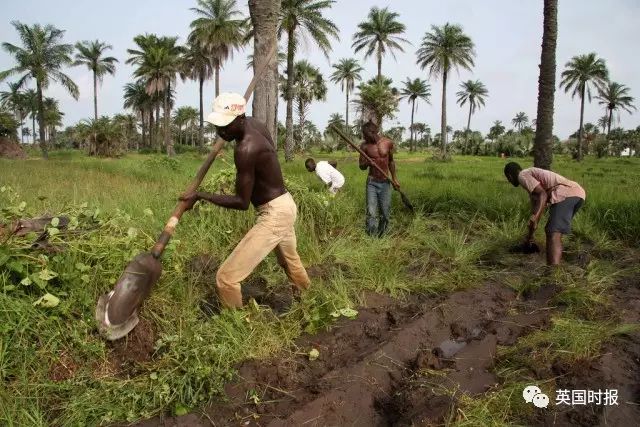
x=117 y=311
x=405 y=199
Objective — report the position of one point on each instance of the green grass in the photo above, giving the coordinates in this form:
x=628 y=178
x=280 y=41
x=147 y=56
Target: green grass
x=467 y=214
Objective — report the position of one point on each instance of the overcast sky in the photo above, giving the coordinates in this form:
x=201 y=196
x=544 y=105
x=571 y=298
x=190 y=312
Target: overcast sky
x=507 y=35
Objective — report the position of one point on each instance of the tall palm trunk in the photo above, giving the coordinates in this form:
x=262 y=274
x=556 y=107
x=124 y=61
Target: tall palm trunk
x=346 y=114
x=264 y=17
x=466 y=135
x=289 y=143
x=201 y=129
x=412 y=146
x=95 y=96
x=43 y=140
x=152 y=128
x=301 y=124
x=217 y=76
x=21 y=127
x=142 y=122
x=379 y=56
x=443 y=116
x=609 y=121
x=543 y=143
x=156 y=136
x=582 y=92
x=168 y=140
x=33 y=127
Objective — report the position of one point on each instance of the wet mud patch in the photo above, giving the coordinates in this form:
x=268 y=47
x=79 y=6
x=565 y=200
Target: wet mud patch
x=138 y=347
x=388 y=366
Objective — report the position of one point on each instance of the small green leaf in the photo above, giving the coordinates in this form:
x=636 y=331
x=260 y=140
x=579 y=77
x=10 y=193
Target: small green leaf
x=348 y=312
x=335 y=314
x=26 y=282
x=47 y=275
x=85 y=278
x=22 y=206
x=148 y=212
x=47 y=300
x=132 y=232
x=313 y=354
x=180 y=409
x=53 y=231
x=153 y=375
x=55 y=221
x=73 y=223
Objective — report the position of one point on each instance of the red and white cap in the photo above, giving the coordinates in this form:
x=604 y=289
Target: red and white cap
x=226 y=107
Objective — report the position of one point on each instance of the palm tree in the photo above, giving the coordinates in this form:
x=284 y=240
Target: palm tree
x=520 y=121
x=377 y=99
x=264 y=17
x=128 y=124
x=346 y=73
x=219 y=30
x=196 y=65
x=443 y=49
x=14 y=100
x=52 y=118
x=184 y=116
x=91 y=54
x=299 y=18
x=603 y=122
x=615 y=96
x=580 y=72
x=137 y=99
x=473 y=92
x=158 y=63
x=379 y=34
x=496 y=130
x=31 y=105
x=41 y=58
x=412 y=91
x=543 y=143
x=308 y=86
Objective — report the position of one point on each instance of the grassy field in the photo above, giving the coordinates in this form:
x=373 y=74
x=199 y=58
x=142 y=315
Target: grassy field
x=57 y=371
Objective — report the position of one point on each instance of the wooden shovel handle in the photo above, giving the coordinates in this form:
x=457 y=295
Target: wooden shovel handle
x=180 y=208
x=359 y=150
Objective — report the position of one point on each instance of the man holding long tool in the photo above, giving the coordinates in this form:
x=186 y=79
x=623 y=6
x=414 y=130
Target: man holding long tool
x=259 y=182
x=379 y=150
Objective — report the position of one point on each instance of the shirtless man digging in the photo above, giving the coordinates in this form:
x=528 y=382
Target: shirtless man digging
x=259 y=182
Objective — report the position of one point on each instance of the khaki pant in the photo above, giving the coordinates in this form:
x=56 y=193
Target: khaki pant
x=273 y=230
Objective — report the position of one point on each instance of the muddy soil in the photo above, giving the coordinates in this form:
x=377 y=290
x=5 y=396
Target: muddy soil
x=125 y=354
x=370 y=370
x=407 y=364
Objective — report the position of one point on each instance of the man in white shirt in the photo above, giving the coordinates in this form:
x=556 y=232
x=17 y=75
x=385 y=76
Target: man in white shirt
x=327 y=172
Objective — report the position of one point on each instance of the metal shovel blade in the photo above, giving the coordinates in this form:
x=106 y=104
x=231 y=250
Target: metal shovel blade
x=116 y=312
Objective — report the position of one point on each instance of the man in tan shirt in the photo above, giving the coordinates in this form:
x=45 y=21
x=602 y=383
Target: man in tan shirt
x=545 y=187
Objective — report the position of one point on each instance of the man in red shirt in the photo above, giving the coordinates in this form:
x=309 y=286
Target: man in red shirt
x=564 y=196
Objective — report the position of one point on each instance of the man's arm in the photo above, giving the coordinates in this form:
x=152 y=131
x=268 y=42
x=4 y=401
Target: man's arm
x=245 y=161
x=362 y=162
x=538 y=199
